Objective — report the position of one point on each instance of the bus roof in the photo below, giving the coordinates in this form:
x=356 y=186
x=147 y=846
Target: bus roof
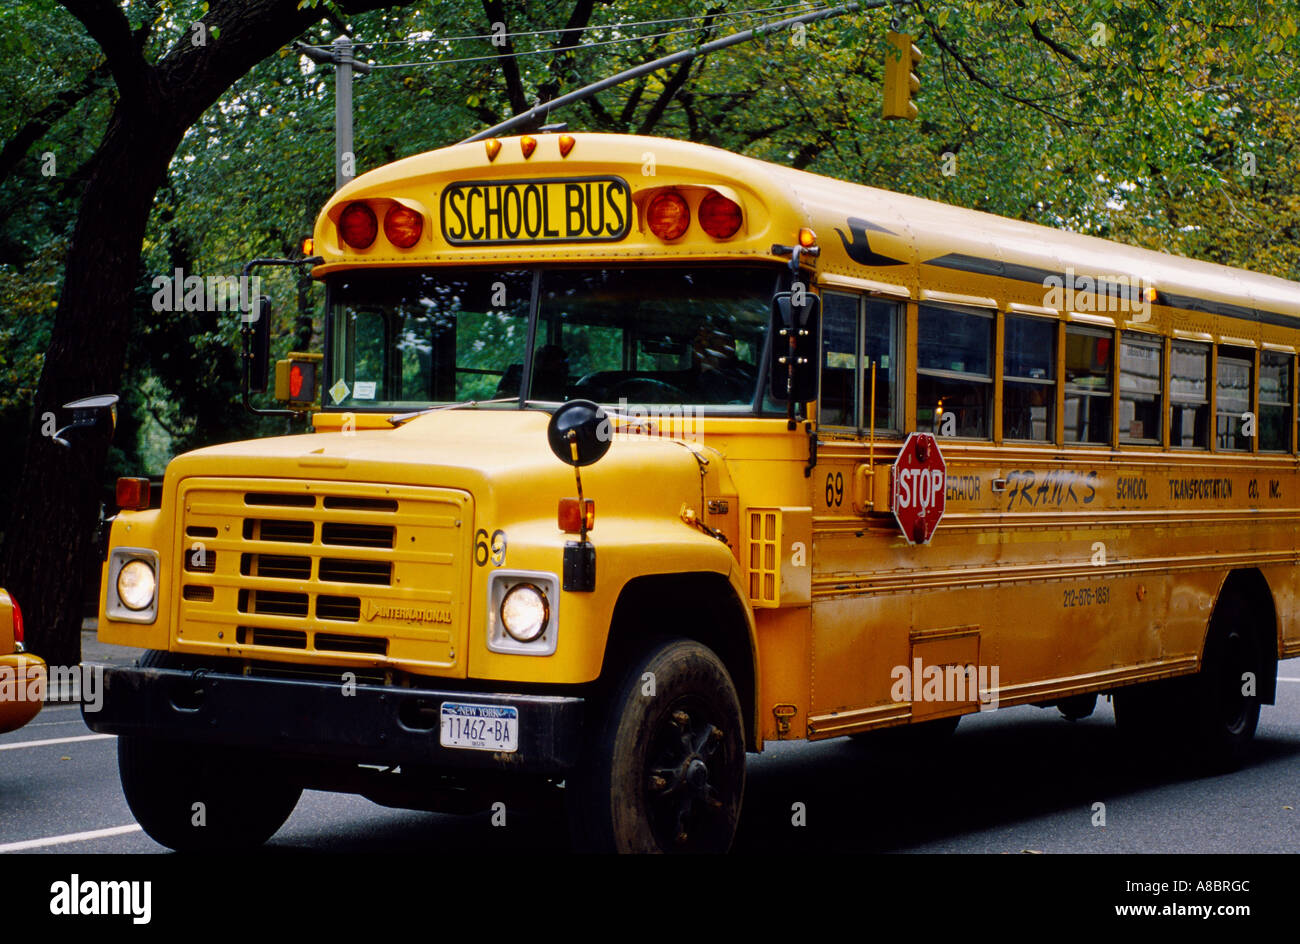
x=869 y=237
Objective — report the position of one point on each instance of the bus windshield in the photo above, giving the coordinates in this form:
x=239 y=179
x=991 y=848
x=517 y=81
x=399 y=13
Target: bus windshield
x=690 y=335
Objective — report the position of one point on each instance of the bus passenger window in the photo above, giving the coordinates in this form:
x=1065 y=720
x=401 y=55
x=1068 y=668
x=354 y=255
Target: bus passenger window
x=1233 y=385
x=954 y=371
x=1274 y=402
x=1189 y=395
x=1029 y=379
x=839 y=360
x=880 y=346
x=1140 y=388
x=1087 y=385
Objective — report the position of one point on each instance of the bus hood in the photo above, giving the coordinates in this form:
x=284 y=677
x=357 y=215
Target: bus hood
x=492 y=454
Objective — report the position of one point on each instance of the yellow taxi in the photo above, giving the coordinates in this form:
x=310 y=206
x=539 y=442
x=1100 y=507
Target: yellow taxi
x=22 y=675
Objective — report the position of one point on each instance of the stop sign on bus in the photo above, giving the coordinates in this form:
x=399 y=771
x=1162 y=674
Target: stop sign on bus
x=918 y=485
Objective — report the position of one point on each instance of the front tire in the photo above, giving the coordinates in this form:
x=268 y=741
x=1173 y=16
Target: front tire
x=197 y=798
x=202 y=798
x=665 y=771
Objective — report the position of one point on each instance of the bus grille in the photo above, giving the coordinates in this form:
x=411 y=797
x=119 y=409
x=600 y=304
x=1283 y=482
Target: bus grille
x=293 y=567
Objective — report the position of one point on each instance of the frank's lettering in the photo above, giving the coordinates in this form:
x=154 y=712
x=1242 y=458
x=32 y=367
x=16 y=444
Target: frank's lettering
x=963 y=487
x=1131 y=488
x=1055 y=488
x=1192 y=489
x=533 y=211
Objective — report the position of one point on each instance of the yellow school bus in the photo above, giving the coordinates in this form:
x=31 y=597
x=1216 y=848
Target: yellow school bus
x=631 y=455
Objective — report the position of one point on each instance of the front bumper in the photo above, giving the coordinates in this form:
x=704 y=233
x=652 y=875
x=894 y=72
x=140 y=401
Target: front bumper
x=22 y=689
x=317 y=719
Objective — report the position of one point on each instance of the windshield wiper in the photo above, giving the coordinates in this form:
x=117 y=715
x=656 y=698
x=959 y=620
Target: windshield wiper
x=401 y=418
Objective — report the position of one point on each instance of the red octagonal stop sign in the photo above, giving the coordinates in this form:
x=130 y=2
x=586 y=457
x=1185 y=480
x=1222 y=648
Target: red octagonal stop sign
x=917 y=486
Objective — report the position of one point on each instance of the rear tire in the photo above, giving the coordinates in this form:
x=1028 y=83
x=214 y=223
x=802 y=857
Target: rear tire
x=1225 y=717
x=1208 y=715
x=665 y=772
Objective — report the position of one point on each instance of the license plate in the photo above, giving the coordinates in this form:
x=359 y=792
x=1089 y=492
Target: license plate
x=480 y=727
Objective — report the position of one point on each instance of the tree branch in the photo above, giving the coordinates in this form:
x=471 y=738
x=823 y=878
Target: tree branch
x=47 y=117
x=991 y=86
x=108 y=26
x=1053 y=44
x=495 y=10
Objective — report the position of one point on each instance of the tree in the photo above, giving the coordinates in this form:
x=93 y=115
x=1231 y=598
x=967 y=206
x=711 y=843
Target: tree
x=46 y=540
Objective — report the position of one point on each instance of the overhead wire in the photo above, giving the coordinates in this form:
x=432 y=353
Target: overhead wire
x=722 y=15
x=493 y=57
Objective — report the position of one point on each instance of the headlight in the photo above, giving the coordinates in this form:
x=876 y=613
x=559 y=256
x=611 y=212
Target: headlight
x=524 y=612
x=136 y=585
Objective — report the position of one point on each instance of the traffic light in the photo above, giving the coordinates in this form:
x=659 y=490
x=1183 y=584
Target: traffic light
x=902 y=62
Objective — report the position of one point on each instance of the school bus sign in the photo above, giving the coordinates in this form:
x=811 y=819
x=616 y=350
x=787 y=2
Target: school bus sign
x=919 y=484
x=570 y=210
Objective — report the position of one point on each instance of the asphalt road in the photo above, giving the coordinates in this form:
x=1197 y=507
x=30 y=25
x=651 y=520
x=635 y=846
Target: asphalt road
x=1017 y=780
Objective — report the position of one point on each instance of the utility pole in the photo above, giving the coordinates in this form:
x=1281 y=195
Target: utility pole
x=339 y=55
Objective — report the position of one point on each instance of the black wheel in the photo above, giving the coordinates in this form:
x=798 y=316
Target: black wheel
x=1209 y=716
x=1225 y=715
x=665 y=772
x=194 y=797
x=1077 y=707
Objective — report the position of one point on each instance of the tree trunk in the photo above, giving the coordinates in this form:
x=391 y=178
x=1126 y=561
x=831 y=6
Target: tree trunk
x=55 y=509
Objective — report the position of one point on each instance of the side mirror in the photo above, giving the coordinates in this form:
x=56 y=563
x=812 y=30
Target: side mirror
x=88 y=413
x=259 y=352
x=792 y=370
x=579 y=433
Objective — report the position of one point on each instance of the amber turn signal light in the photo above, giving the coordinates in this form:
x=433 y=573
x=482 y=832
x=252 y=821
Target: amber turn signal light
x=577 y=515
x=132 y=494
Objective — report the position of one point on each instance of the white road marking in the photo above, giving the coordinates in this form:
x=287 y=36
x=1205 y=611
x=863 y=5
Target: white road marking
x=1282 y=678
x=46 y=724
x=84 y=737
x=70 y=837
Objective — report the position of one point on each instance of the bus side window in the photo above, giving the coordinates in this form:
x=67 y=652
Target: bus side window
x=1139 y=388
x=1189 y=395
x=1233 y=385
x=1274 y=402
x=1088 y=389
x=1029 y=379
x=954 y=371
x=881 y=331
x=840 y=357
